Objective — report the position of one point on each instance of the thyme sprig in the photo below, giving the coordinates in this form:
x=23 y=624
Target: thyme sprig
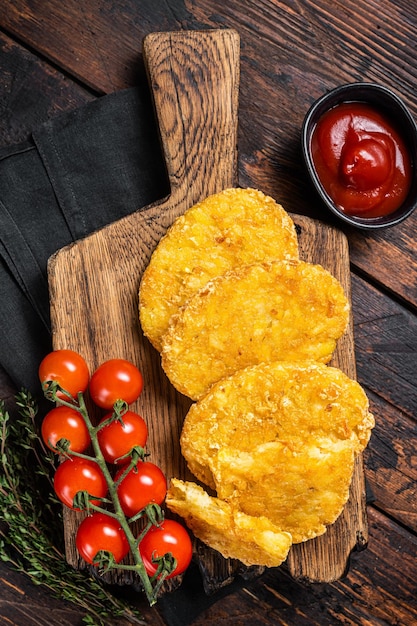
x=31 y=516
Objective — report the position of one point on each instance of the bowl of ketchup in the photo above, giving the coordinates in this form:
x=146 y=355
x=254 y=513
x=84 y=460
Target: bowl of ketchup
x=359 y=144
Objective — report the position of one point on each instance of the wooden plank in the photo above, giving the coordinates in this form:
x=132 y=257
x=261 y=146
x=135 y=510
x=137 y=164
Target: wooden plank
x=291 y=58
x=24 y=604
x=194 y=80
x=385 y=334
x=367 y=596
x=386 y=345
x=105 y=53
x=326 y=558
x=391 y=464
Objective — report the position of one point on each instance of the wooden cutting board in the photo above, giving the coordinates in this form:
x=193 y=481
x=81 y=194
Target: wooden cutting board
x=194 y=79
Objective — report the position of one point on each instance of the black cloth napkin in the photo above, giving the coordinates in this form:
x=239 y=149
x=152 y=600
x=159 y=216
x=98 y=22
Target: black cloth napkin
x=75 y=174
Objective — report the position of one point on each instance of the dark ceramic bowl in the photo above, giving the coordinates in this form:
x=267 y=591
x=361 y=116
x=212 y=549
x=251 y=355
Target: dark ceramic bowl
x=390 y=105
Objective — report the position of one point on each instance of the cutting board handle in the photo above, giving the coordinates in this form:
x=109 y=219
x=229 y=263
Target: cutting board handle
x=197 y=111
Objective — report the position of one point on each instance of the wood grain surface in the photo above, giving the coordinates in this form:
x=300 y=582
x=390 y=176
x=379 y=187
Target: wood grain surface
x=197 y=118
x=194 y=79
x=56 y=56
x=326 y=558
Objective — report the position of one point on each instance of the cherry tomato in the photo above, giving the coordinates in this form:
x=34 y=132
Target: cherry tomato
x=101 y=532
x=68 y=368
x=116 y=379
x=143 y=485
x=76 y=474
x=117 y=439
x=65 y=423
x=169 y=537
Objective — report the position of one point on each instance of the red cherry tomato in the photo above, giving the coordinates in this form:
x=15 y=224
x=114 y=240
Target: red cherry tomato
x=116 y=379
x=76 y=474
x=143 y=485
x=116 y=440
x=159 y=540
x=65 y=423
x=68 y=368
x=101 y=532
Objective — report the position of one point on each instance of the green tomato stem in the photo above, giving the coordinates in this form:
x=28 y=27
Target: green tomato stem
x=118 y=511
x=151 y=591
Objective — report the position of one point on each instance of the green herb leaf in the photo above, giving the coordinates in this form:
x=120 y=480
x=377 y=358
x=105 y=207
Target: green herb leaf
x=31 y=520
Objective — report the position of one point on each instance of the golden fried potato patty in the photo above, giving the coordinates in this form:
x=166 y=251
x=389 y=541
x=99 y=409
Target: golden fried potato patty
x=251 y=540
x=267 y=311
x=300 y=489
x=279 y=440
x=233 y=227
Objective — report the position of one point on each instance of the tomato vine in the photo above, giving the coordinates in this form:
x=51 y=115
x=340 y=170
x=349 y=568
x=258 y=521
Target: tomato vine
x=119 y=513
x=31 y=528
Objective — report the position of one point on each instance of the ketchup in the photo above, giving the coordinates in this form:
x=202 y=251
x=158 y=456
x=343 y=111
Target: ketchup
x=361 y=160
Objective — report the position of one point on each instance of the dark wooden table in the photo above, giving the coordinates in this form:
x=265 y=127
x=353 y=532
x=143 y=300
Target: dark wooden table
x=56 y=56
